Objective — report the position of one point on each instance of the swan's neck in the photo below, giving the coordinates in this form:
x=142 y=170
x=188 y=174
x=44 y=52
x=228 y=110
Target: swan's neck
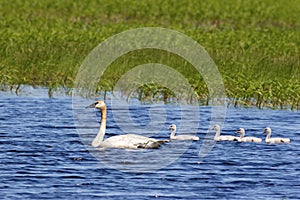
x=242 y=135
x=172 y=136
x=218 y=132
x=99 y=138
x=268 y=135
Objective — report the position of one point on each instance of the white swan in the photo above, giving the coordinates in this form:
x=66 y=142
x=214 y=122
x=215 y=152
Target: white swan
x=274 y=140
x=180 y=137
x=241 y=131
x=217 y=137
x=128 y=141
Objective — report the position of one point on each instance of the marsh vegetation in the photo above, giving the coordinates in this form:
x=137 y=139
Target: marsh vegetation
x=255 y=44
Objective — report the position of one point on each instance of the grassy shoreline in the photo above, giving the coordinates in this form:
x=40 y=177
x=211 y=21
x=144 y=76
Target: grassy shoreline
x=255 y=44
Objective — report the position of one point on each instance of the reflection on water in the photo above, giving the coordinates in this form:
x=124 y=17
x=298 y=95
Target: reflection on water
x=43 y=156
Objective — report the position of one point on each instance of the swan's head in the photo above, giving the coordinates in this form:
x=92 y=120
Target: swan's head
x=172 y=127
x=98 y=104
x=241 y=131
x=215 y=127
x=267 y=130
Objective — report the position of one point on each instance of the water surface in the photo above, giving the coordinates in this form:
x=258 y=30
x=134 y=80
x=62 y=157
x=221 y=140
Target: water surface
x=43 y=156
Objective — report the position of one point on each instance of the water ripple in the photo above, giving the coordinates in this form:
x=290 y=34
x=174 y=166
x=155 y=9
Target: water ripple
x=42 y=156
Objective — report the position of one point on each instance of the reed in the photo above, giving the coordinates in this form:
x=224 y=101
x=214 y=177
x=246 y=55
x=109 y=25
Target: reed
x=255 y=44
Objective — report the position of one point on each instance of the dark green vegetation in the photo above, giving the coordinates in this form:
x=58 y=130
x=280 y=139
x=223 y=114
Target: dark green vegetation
x=255 y=43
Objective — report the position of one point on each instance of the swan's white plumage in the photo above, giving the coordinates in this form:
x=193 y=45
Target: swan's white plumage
x=128 y=141
x=180 y=137
x=218 y=137
x=242 y=138
x=274 y=140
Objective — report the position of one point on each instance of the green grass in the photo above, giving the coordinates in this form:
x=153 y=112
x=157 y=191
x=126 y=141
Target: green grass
x=255 y=44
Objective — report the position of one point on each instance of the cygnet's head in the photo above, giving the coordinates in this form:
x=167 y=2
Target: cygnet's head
x=215 y=127
x=172 y=127
x=240 y=131
x=267 y=130
x=98 y=104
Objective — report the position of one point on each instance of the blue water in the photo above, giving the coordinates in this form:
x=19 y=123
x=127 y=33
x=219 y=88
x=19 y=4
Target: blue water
x=44 y=157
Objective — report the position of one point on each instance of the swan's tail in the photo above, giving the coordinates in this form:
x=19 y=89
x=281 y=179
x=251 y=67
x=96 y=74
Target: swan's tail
x=150 y=144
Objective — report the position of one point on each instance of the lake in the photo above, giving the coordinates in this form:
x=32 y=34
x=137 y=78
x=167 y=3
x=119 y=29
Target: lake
x=46 y=152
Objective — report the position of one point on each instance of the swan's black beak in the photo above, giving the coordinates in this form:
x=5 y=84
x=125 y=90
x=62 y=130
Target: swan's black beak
x=93 y=105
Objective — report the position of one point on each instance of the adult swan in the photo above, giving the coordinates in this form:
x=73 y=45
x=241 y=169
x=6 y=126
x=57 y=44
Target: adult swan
x=128 y=141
